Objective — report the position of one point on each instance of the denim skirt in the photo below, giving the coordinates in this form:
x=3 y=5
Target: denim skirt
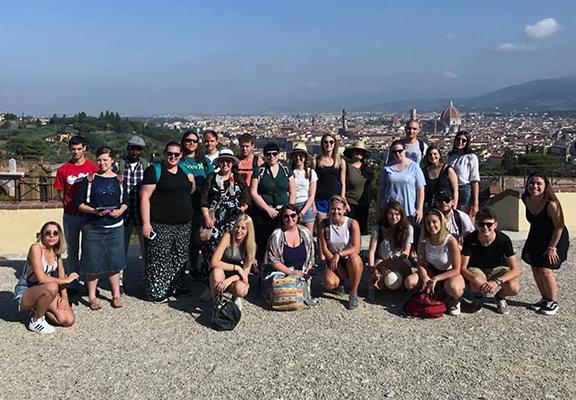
x=102 y=250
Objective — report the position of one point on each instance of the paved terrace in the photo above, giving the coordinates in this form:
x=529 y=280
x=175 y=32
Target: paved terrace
x=150 y=351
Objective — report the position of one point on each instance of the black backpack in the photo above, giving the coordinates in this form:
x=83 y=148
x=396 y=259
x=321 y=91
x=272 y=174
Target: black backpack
x=225 y=314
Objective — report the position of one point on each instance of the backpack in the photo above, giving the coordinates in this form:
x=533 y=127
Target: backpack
x=225 y=314
x=121 y=165
x=287 y=293
x=422 y=305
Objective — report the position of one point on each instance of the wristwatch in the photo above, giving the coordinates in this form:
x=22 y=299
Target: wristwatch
x=498 y=281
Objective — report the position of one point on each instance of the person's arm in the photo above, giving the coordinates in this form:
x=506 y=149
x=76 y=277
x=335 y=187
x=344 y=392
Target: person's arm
x=35 y=259
x=474 y=179
x=380 y=193
x=260 y=202
x=420 y=193
x=323 y=244
x=372 y=248
x=453 y=178
x=123 y=206
x=343 y=181
x=555 y=214
x=291 y=190
x=245 y=199
x=311 y=196
x=145 y=194
x=422 y=263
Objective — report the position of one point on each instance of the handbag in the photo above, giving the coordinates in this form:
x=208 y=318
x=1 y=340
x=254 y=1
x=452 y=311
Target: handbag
x=287 y=293
x=422 y=305
x=225 y=314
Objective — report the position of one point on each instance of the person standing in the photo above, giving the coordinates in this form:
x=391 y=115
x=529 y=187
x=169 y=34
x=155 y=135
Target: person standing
x=546 y=247
x=101 y=197
x=67 y=176
x=415 y=148
x=211 y=144
x=465 y=163
x=131 y=169
x=248 y=161
x=166 y=213
x=439 y=176
x=305 y=180
x=359 y=177
x=193 y=163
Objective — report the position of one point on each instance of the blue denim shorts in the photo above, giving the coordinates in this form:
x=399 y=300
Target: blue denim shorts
x=322 y=206
x=309 y=216
x=465 y=195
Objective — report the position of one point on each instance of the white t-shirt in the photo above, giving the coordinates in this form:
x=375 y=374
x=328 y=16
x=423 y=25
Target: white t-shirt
x=454 y=229
x=386 y=249
x=303 y=184
x=466 y=167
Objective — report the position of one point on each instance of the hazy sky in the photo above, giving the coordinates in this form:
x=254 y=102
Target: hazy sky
x=155 y=57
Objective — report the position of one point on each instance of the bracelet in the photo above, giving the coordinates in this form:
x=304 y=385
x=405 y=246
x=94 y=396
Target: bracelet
x=552 y=248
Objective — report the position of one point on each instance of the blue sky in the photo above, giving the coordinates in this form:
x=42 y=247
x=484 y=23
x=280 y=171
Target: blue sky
x=155 y=57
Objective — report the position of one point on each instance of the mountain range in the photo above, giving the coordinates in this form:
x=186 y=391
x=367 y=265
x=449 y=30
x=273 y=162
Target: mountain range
x=535 y=96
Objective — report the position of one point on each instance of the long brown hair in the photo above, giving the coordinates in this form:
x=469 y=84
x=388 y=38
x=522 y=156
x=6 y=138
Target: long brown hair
x=334 y=156
x=548 y=191
x=400 y=231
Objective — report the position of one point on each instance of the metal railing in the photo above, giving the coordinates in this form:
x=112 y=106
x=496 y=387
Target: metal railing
x=28 y=188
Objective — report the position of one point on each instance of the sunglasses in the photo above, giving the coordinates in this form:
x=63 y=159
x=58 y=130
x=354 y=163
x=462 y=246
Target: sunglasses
x=444 y=200
x=171 y=154
x=190 y=140
x=290 y=216
x=272 y=154
x=226 y=161
x=485 y=224
x=329 y=142
x=411 y=128
x=397 y=151
x=461 y=140
x=51 y=233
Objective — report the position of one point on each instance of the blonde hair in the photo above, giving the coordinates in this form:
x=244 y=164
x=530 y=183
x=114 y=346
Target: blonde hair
x=248 y=245
x=334 y=156
x=60 y=247
x=425 y=235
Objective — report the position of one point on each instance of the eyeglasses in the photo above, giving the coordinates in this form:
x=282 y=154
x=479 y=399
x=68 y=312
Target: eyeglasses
x=190 y=140
x=290 y=216
x=272 y=154
x=397 y=151
x=51 y=233
x=171 y=154
x=461 y=140
x=485 y=224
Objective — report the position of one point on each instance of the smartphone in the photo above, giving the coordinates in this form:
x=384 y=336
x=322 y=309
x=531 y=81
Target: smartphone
x=152 y=235
x=100 y=209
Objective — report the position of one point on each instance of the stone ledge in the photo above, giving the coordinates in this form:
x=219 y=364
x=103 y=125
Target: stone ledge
x=30 y=205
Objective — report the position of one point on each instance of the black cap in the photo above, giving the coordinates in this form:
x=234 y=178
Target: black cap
x=271 y=146
x=444 y=195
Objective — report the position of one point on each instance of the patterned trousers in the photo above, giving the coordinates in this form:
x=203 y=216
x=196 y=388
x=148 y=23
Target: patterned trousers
x=165 y=256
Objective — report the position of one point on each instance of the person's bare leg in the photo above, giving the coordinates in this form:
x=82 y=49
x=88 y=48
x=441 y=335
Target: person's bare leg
x=39 y=298
x=354 y=269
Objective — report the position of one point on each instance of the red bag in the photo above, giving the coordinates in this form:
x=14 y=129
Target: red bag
x=422 y=305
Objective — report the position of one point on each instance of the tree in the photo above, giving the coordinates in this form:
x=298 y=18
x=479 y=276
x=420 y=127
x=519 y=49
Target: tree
x=10 y=117
x=24 y=146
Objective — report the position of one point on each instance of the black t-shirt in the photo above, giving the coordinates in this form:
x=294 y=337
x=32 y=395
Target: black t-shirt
x=491 y=256
x=170 y=202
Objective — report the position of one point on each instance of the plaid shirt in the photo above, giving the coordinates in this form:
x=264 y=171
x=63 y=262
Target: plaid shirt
x=133 y=184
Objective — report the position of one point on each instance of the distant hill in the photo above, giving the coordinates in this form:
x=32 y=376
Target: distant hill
x=539 y=95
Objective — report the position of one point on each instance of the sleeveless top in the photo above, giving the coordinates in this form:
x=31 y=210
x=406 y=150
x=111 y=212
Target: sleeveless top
x=541 y=230
x=338 y=236
x=294 y=257
x=436 y=185
x=29 y=278
x=438 y=255
x=328 y=181
x=233 y=257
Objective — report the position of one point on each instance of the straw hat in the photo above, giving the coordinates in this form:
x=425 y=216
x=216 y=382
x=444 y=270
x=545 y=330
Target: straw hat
x=226 y=154
x=299 y=148
x=358 y=146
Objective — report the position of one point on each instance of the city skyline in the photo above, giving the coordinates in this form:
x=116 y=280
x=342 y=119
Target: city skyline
x=144 y=58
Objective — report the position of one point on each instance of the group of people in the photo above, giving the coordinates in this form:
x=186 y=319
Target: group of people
x=221 y=217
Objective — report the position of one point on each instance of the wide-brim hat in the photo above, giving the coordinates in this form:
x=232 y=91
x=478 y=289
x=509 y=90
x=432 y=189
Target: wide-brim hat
x=299 y=148
x=359 y=145
x=226 y=154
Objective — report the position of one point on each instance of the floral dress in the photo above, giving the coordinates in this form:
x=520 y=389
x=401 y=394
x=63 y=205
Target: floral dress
x=225 y=197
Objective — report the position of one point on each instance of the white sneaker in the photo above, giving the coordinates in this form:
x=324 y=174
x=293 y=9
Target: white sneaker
x=502 y=306
x=41 y=326
x=454 y=309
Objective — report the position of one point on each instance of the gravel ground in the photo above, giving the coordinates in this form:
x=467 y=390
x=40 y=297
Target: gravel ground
x=162 y=351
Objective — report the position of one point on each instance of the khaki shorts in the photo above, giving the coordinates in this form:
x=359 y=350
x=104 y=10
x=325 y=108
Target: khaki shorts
x=489 y=273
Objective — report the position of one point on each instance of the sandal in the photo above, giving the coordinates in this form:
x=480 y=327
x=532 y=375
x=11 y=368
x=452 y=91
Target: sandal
x=117 y=302
x=94 y=304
